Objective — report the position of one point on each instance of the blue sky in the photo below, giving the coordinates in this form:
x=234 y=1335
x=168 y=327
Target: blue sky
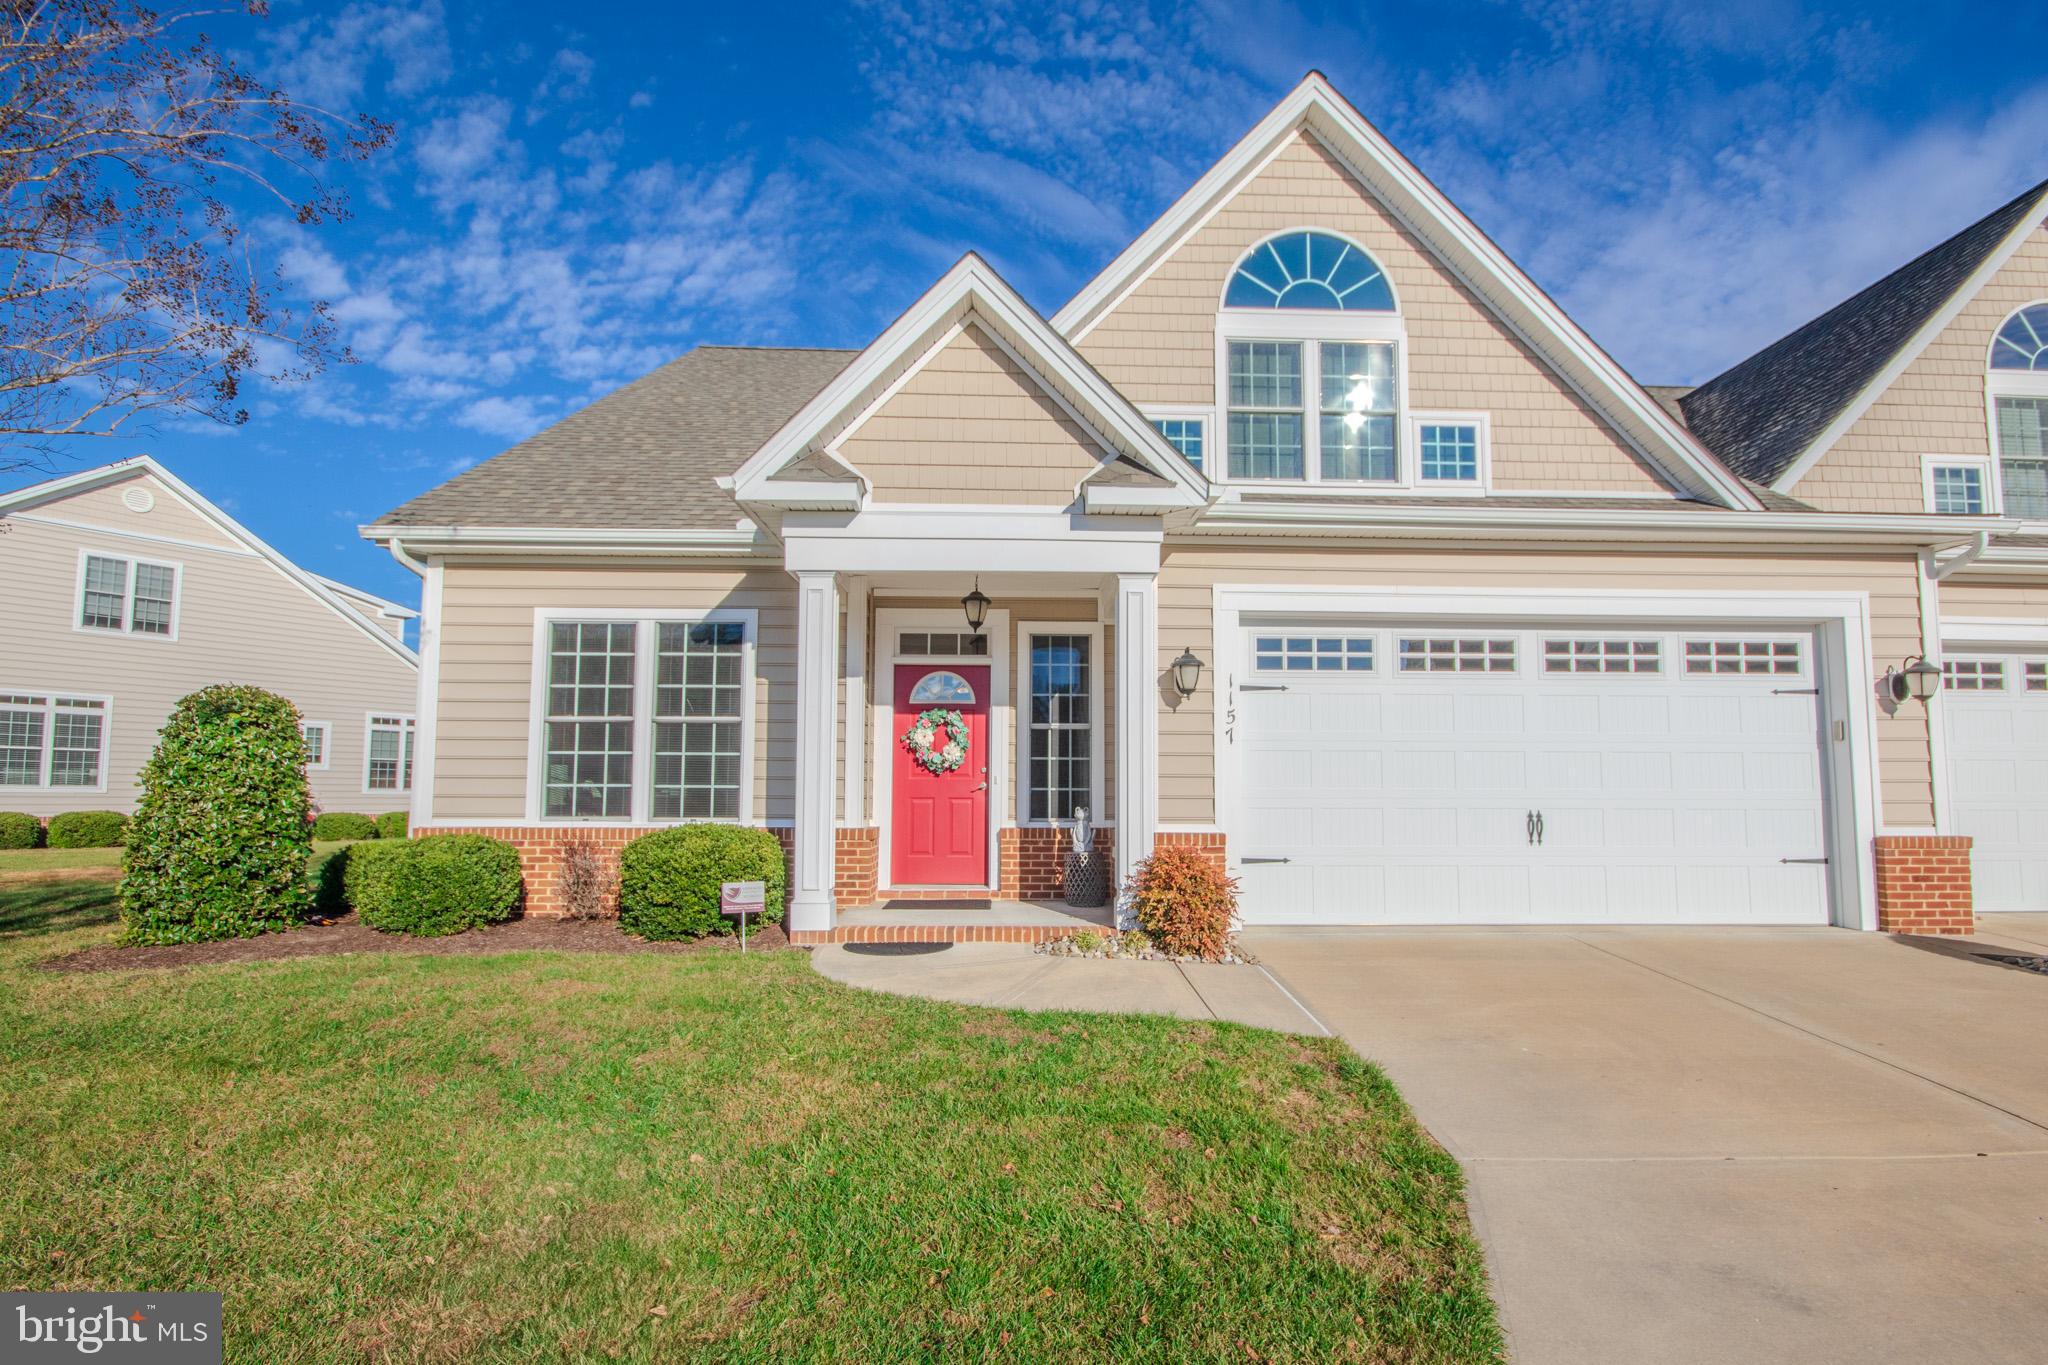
x=569 y=204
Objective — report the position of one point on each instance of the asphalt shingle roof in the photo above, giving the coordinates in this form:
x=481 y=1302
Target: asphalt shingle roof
x=1761 y=414
x=644 y=456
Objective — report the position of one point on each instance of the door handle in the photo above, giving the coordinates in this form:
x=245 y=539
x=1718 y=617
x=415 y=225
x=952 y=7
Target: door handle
x=982 y=788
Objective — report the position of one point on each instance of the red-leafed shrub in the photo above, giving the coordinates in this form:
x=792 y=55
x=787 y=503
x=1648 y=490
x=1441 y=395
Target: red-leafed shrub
x=1185 y=902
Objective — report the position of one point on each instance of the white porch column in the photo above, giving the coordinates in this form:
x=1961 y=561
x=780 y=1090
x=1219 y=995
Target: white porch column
x=817 y=707
x=854 y=808
x=1137 y=719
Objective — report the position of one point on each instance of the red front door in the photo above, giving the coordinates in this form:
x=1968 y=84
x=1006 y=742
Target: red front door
x=939 y=834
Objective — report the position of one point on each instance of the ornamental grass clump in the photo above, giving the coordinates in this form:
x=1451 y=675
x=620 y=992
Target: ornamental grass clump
x=220 y=840
x=1185 y=903
x=669 y=880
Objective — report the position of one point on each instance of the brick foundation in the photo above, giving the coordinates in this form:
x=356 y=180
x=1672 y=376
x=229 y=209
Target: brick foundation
x=1210 y=846
x=540 y=856
x=1923 y=884
x=856 y=869
x=1032 y=861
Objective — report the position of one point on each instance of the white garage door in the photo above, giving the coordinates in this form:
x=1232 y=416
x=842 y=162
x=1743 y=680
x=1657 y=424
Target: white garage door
x=1997 y=715
x=1439 y=774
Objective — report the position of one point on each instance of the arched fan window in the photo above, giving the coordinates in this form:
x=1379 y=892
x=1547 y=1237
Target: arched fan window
x=1310 y=270
x=2022 y=344
x=942 y=689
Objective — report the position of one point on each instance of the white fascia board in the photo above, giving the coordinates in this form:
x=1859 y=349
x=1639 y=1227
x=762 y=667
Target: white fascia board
x=1314 y=106
x=1148 y=501
x=970 y=286
x=1457 y=518
x=197 y=503
x=1907 y=354
x=943 y=539
x=463 y=539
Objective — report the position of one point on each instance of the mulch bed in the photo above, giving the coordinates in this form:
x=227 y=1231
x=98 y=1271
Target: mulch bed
x=350 y=935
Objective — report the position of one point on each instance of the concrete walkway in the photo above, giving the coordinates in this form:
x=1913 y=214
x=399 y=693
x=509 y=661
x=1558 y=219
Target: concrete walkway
x=1013 y=976
x=1723 y=1145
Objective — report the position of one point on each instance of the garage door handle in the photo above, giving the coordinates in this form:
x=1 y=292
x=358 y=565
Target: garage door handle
x=1249 y=861
x=1820 y=861
x=1539 y=829
x=1529 y=825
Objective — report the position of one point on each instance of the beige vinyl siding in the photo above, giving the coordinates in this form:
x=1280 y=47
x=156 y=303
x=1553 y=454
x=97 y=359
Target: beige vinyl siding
x=1158 y=344
x=2014 y=601
x=168 y=519
x=882 y=694
x=1187 y=763
x=240 y=620
x=971 y=425
x=1935 y=407
x=483 y=737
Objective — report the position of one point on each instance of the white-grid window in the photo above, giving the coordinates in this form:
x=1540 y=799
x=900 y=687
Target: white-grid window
x=2037 y=677
x=1420 y=654
x=1061 y=744
x=925 y=644
x=699 y=702
x=130 y=596
x=314 y=732
x=1742 y=657
x=1185 y=434
x=1957 y=489
x=387 y=764
x=1312 y=653
x=1603 y=656
x=590 y=720
x=1973 y=675
x=50 y=741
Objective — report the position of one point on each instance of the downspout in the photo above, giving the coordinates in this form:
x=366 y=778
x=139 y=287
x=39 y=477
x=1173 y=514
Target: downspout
x=400 y=553
x=1938 y=568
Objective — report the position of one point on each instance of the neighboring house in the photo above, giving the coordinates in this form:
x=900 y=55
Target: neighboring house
x=1928 y=392
x=1485 y=634
x=127 y=590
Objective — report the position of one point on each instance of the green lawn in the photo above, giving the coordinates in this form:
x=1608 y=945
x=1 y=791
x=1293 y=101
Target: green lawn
x=49 y=859
x=562 y=1156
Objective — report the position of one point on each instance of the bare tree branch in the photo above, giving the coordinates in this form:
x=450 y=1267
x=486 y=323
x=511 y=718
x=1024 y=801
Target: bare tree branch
x=126 y=283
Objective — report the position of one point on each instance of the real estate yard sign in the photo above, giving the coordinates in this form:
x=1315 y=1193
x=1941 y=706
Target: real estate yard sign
x=742 y=899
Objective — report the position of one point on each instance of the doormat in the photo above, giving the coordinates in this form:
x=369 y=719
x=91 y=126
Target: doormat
x=895 y=949
x=939 y=905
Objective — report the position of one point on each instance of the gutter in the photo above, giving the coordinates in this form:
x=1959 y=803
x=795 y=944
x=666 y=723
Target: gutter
x=408 y=543
x=1938 y=569
x=1548 y=522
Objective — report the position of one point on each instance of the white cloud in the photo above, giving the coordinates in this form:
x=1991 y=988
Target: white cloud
x=513 y=417
x=328 y=61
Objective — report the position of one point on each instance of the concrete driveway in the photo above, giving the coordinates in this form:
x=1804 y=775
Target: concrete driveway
x=1723 y=1145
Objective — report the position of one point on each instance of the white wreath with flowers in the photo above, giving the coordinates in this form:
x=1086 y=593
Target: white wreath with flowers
x=937 y=740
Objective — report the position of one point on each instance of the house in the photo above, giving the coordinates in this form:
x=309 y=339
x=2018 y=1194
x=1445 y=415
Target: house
x=1928 y=393
x=127 y=590
x=1310 y=534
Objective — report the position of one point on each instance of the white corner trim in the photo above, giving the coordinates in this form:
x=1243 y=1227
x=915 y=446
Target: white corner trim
x=1844 y=670
x=1935 y=325
x=427 y=701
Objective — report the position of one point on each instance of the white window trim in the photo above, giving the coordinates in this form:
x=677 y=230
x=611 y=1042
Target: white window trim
x=1991 y=347
x=412 y=727
x=126 y=629
x=2005 y=384
x=1096 y=663
x=50 y=699
x=645 y=634
x=890 y=622
x=1482 y=481
x=1987 y=471
x=326 y=730
x=1311 y=330
x=1156 y=413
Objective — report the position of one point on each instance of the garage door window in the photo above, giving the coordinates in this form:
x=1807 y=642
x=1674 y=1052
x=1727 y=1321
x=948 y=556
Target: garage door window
x=1973 y=675
x=2037 y=677
x=1312 y=653
x=1742 y=657
x=1451 y=655
x=1603 y=656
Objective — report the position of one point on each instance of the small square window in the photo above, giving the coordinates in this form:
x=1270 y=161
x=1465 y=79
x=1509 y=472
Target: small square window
x=1449 y=453
x=2037 y=677
x=1958 y=490
x=1185 y=435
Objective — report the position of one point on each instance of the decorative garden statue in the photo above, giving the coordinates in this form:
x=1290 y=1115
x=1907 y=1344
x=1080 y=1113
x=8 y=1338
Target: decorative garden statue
x=1084 y=884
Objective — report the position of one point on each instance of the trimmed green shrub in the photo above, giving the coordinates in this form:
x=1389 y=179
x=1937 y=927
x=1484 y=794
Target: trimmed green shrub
x=220 y=841
x=365 y=873
x=88 y=829
x=18 y=830
x=1184 y=901
x=343 y=824
x=669 y=880
x=392 y=824
x=440 y=884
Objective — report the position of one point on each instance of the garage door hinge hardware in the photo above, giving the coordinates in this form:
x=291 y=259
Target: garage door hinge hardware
x=1249 y=861
x=1795 y=691
x=1262 y=687
x=1821 y=861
